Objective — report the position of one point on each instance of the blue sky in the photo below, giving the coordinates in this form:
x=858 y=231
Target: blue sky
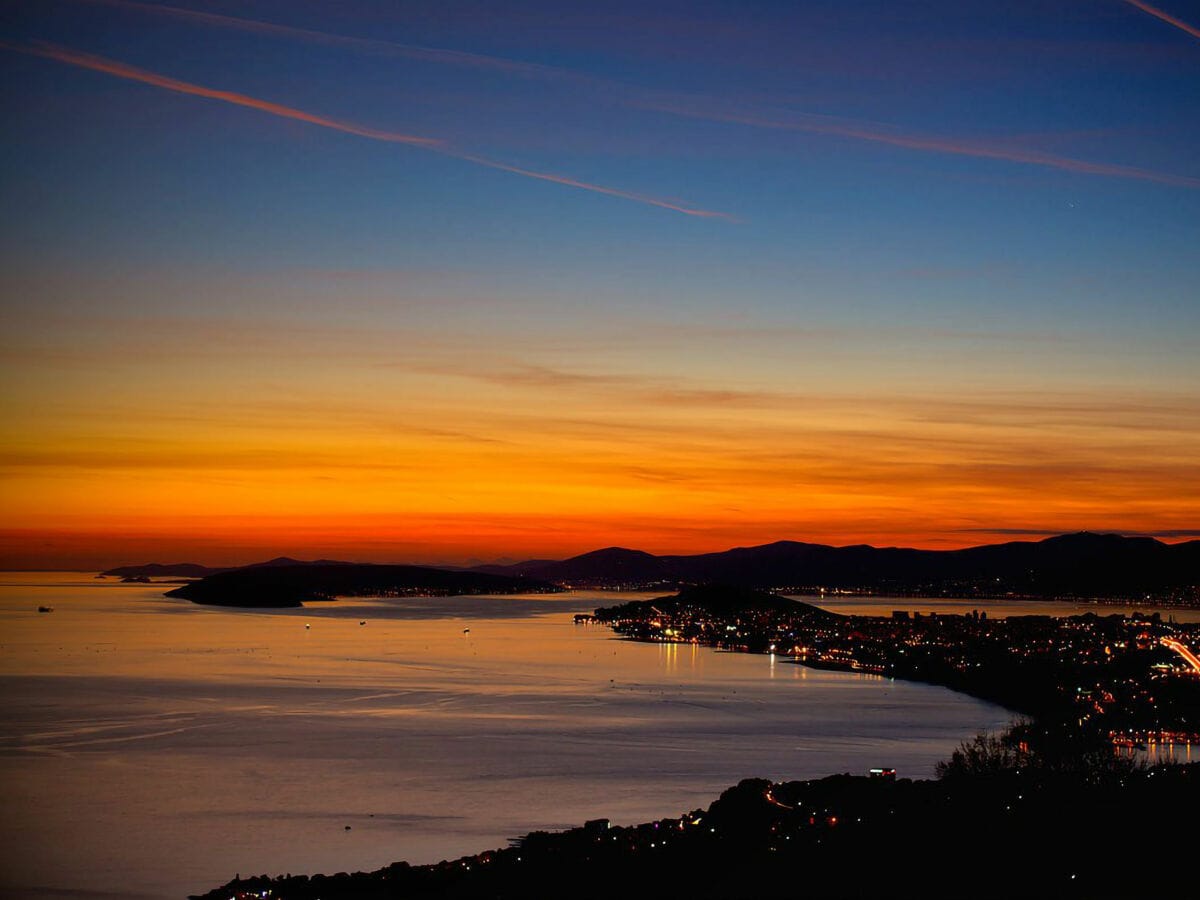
x=926 y=197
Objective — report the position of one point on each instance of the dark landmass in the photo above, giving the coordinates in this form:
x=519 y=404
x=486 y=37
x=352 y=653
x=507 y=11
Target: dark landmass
x=1117 y=676
x=160 y=570
x=1072 y=566
x=715 y=601
x=1080 y=565
x=194 y=570
x=1022 y=830
x=613 y=566
x=293 y=585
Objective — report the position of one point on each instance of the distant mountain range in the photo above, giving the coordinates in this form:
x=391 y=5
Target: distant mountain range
x=194 y=570
x=1070 y=565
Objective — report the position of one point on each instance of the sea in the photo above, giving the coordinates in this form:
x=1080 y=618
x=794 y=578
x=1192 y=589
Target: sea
x=154 y=748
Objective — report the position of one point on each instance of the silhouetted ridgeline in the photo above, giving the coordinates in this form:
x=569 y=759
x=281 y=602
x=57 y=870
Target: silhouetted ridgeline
x=1014 y=834
x=194 y=570
x=1074 y=565
x=161 y=570
x=719 y=601
x=292 y=585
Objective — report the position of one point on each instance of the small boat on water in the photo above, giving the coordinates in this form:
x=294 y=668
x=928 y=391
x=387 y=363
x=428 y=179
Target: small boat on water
x=45 y=609
x=466 y=631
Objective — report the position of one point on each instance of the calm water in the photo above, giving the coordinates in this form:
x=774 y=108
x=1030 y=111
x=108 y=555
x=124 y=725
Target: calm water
x=151 y=747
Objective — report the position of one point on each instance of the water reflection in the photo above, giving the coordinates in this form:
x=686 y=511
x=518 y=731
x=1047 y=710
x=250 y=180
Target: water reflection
x=151 y=745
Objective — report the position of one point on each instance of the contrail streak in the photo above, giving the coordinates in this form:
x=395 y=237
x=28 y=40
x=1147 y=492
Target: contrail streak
x=640 y=97
x=877 y=134
x=1166 y=17
x=123 y=70
x=571 y=182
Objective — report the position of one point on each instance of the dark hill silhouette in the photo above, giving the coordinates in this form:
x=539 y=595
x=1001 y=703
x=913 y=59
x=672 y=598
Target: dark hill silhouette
x=281 y=561
x=717 y=600
x=1073 y=565
x=167 y=570
x=285 y=585
x=1069 y=565
x=518 y=568
x=194 y=570
x=610 y=566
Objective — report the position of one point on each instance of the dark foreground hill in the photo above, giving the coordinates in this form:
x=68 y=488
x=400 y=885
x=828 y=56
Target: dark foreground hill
x=1073 y=565
x=1012 y=834
x=292 y=585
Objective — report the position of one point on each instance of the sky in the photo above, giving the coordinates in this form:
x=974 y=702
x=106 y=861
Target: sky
x=443 y=282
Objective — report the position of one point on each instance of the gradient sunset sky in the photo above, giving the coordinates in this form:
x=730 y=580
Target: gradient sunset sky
x=442 y=281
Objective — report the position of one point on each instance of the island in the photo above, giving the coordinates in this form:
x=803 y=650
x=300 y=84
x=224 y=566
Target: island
x=162 y=570
x=293 y=585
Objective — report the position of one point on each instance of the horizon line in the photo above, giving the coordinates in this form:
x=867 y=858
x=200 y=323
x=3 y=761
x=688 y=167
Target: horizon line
x=1167 y=536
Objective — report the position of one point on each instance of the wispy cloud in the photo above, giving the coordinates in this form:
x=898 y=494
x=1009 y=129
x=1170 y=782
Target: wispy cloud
x=1166 y=17
x=882 y=134
x=672 y=205
x=131 y=73
x=123 y=70
x=688 y=106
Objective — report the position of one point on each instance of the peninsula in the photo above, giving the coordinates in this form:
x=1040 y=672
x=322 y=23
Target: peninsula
x=1124 y=679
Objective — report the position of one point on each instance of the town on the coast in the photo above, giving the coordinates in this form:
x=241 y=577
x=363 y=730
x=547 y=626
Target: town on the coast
x=1133 y=679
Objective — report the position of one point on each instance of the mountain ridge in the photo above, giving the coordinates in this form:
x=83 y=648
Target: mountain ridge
x=1079 y=564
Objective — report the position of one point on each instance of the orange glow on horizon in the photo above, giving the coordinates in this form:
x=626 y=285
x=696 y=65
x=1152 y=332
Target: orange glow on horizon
x=421 y=541
x=223 y=441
